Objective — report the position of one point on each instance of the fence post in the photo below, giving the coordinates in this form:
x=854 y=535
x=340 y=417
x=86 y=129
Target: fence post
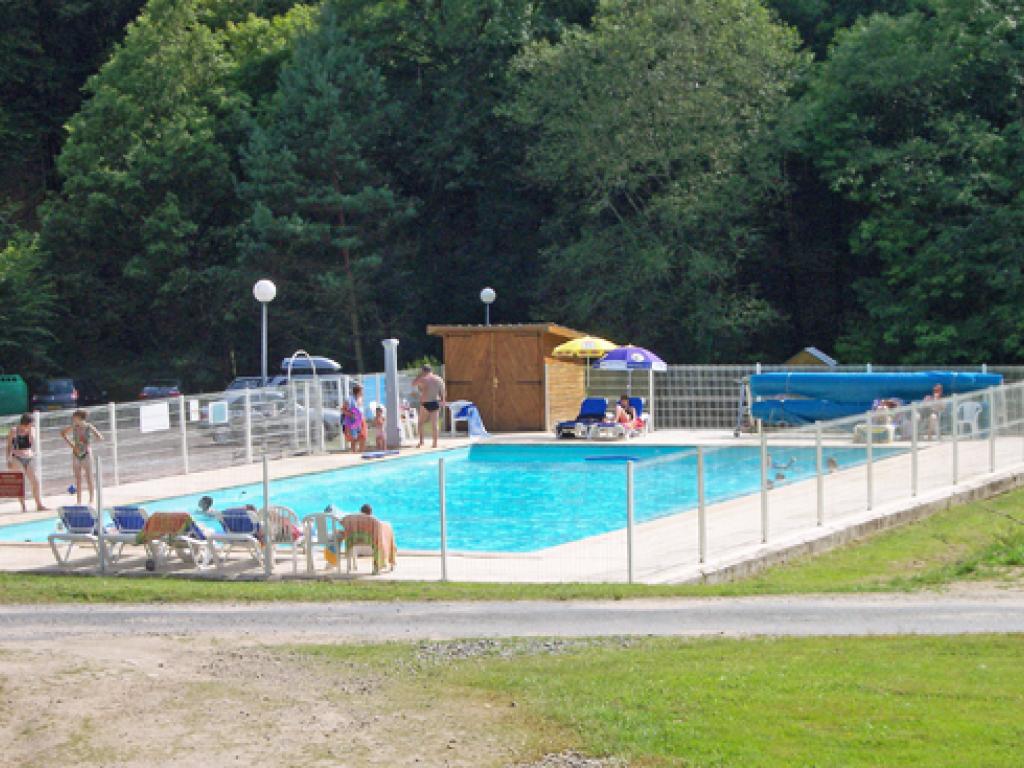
x=818 y=469
x=37 y=442
x=992 y=430
x=293 y=394
x=268 y=531
x=306 y=408
x=764 y=487
x=547 y=405
x=444 y=520
x=914 y=416
x=101 y=544
x=248 y=427
x=870 y=463
x=112 y=411
x=320 y=428
x=629 y=521
x=956 y=440
x=184 y=433
x=702 y=523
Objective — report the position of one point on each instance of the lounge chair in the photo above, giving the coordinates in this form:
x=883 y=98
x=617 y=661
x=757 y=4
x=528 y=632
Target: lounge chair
x=129 y=521
x=241 y=528
x=641 y=414
x=323 y=529
x=369 y=536
x=81 y=526
x=592 y=411
x=175 y=531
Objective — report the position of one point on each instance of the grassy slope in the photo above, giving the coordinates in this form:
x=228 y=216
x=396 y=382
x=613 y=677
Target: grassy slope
x=978 y=540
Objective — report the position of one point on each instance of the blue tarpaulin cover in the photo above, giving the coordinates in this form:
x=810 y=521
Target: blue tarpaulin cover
x=800 y=398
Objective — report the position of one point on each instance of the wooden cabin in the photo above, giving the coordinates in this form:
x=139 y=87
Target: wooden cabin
x=509 y=373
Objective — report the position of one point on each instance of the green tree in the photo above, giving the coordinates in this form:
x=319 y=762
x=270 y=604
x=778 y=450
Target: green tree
x=26 y=308
x=326 y=219
x=649 y=132
x=142 y=238
x=917 y=122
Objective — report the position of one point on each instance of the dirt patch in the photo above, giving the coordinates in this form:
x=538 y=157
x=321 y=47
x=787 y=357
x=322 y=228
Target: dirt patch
x=142 y=702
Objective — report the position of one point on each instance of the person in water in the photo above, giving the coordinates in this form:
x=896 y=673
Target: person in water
x=79 y=435
x=21 y=457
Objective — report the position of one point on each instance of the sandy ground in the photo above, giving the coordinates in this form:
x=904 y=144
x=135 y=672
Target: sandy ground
x=142 y=702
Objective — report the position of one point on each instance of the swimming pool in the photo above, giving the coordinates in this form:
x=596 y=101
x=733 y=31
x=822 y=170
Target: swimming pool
x=513 y=498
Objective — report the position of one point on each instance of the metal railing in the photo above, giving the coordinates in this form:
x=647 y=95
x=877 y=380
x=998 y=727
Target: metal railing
x=708 y=396
x=149 y=439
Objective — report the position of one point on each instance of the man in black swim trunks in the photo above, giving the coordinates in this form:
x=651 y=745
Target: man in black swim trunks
x=431 y=389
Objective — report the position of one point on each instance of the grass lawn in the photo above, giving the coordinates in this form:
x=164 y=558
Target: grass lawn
x=883 y=701
x=981 y=540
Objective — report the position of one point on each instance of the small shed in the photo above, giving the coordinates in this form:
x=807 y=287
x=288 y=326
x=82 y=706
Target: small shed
x=509 y=373
x=811 y=356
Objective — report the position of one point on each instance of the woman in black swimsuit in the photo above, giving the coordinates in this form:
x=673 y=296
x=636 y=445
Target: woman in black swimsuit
x=20 y=456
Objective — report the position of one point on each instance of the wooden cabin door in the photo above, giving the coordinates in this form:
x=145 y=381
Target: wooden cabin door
x=518 y=382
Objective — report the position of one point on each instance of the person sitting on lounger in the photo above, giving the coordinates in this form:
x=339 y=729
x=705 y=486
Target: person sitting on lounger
x=932 y=412
x=625 y=414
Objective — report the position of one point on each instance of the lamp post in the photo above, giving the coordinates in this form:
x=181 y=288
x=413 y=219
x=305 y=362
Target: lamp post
x=487 y=296
x=264 y=291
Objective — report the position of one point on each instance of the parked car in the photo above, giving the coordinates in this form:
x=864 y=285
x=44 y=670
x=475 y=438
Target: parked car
x=160 y=388
x=244 y=382
x=60 y=394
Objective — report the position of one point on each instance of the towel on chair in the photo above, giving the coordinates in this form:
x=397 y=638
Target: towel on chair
x=162 y=524
x=367 y=531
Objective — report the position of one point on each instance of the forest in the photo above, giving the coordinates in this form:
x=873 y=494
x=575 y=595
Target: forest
x=717 y=180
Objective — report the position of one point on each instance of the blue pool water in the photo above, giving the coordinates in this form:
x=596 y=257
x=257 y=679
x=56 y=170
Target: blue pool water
x=509 y=498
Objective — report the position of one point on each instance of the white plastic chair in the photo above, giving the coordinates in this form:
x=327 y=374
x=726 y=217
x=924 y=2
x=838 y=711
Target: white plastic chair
x=323 y=529
x=968 y=416
x=453 y=409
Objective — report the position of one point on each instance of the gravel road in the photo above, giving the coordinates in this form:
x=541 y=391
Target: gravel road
x=930 y=614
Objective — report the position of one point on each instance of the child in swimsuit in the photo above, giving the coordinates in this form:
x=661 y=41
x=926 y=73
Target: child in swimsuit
x=78 y=436
x=379 y=422
x=20 y=456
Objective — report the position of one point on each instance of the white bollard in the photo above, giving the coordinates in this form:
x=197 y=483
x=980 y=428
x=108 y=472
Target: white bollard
x=956 y=439
x=629 y=521
x=870 y=490
x=820 y=477
x=101 y=544
x=112 y=410
x=914 y=419
x=764 y=488
x=309 y=416
x=444 y=520
x=248 y=427
x=37 y=442
x=184 y=433
x=268 y=531
x=702 y=524
x=992 y=430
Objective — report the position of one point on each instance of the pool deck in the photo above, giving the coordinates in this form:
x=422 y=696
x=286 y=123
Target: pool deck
x=664 y=550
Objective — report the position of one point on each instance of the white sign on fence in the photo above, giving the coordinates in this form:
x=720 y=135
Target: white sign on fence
x=193 y=410
x=154 y=418
x=219 y=412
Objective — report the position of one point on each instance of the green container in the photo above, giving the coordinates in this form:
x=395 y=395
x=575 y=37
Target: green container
x=13 y=395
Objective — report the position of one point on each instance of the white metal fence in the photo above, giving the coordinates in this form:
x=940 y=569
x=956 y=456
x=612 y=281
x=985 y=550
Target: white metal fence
x=708 y=396
x=148 y=439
